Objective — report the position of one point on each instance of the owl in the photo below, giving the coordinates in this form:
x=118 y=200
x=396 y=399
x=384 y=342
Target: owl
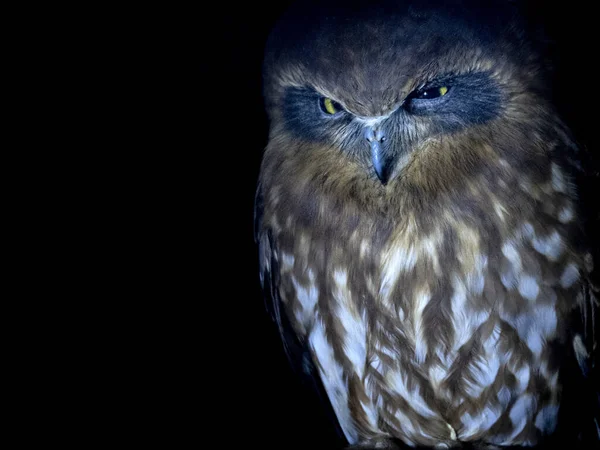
x=421 y=237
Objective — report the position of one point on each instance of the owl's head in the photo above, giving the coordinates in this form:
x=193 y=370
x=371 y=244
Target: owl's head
x=413 y=92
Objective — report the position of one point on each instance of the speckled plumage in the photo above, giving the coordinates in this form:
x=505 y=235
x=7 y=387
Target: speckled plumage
x=439 y=306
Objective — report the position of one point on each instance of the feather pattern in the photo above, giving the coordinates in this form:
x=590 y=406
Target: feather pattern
x=444 y=305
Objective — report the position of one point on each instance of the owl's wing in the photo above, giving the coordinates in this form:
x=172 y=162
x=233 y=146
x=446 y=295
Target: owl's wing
x=269 y=279
x=296 y=349
x=587 y=348
x=587 y=356
x=586 y=323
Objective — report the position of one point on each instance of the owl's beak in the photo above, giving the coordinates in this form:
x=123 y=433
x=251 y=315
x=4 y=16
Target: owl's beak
x=381 y=161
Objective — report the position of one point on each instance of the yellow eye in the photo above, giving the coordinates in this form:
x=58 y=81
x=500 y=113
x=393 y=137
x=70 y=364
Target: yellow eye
x=432 y=92
x=329 y=106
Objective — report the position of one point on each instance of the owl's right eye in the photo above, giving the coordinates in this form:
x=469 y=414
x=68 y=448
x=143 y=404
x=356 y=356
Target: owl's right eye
x=329 y=107
x=426 y=94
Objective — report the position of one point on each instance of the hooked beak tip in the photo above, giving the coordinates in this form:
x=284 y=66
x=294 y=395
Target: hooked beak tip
x=381 y=162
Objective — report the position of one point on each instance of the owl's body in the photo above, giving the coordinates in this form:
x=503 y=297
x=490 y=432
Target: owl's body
x=429 y=253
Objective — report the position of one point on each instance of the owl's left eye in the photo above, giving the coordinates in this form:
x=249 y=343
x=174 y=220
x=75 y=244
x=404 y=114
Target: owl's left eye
x=329 y=107
x=430 y=93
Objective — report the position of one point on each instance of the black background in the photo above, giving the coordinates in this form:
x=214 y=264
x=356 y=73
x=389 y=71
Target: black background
x=229 y=376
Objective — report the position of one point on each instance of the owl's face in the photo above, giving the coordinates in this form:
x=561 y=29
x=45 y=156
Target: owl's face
x=382 y=142
x=400 y=93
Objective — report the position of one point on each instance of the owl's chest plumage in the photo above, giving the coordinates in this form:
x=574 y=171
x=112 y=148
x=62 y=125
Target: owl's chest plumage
x=418 y=220
x=432 y=333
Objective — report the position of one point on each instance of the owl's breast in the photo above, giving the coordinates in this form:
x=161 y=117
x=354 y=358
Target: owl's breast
x=436 y=336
